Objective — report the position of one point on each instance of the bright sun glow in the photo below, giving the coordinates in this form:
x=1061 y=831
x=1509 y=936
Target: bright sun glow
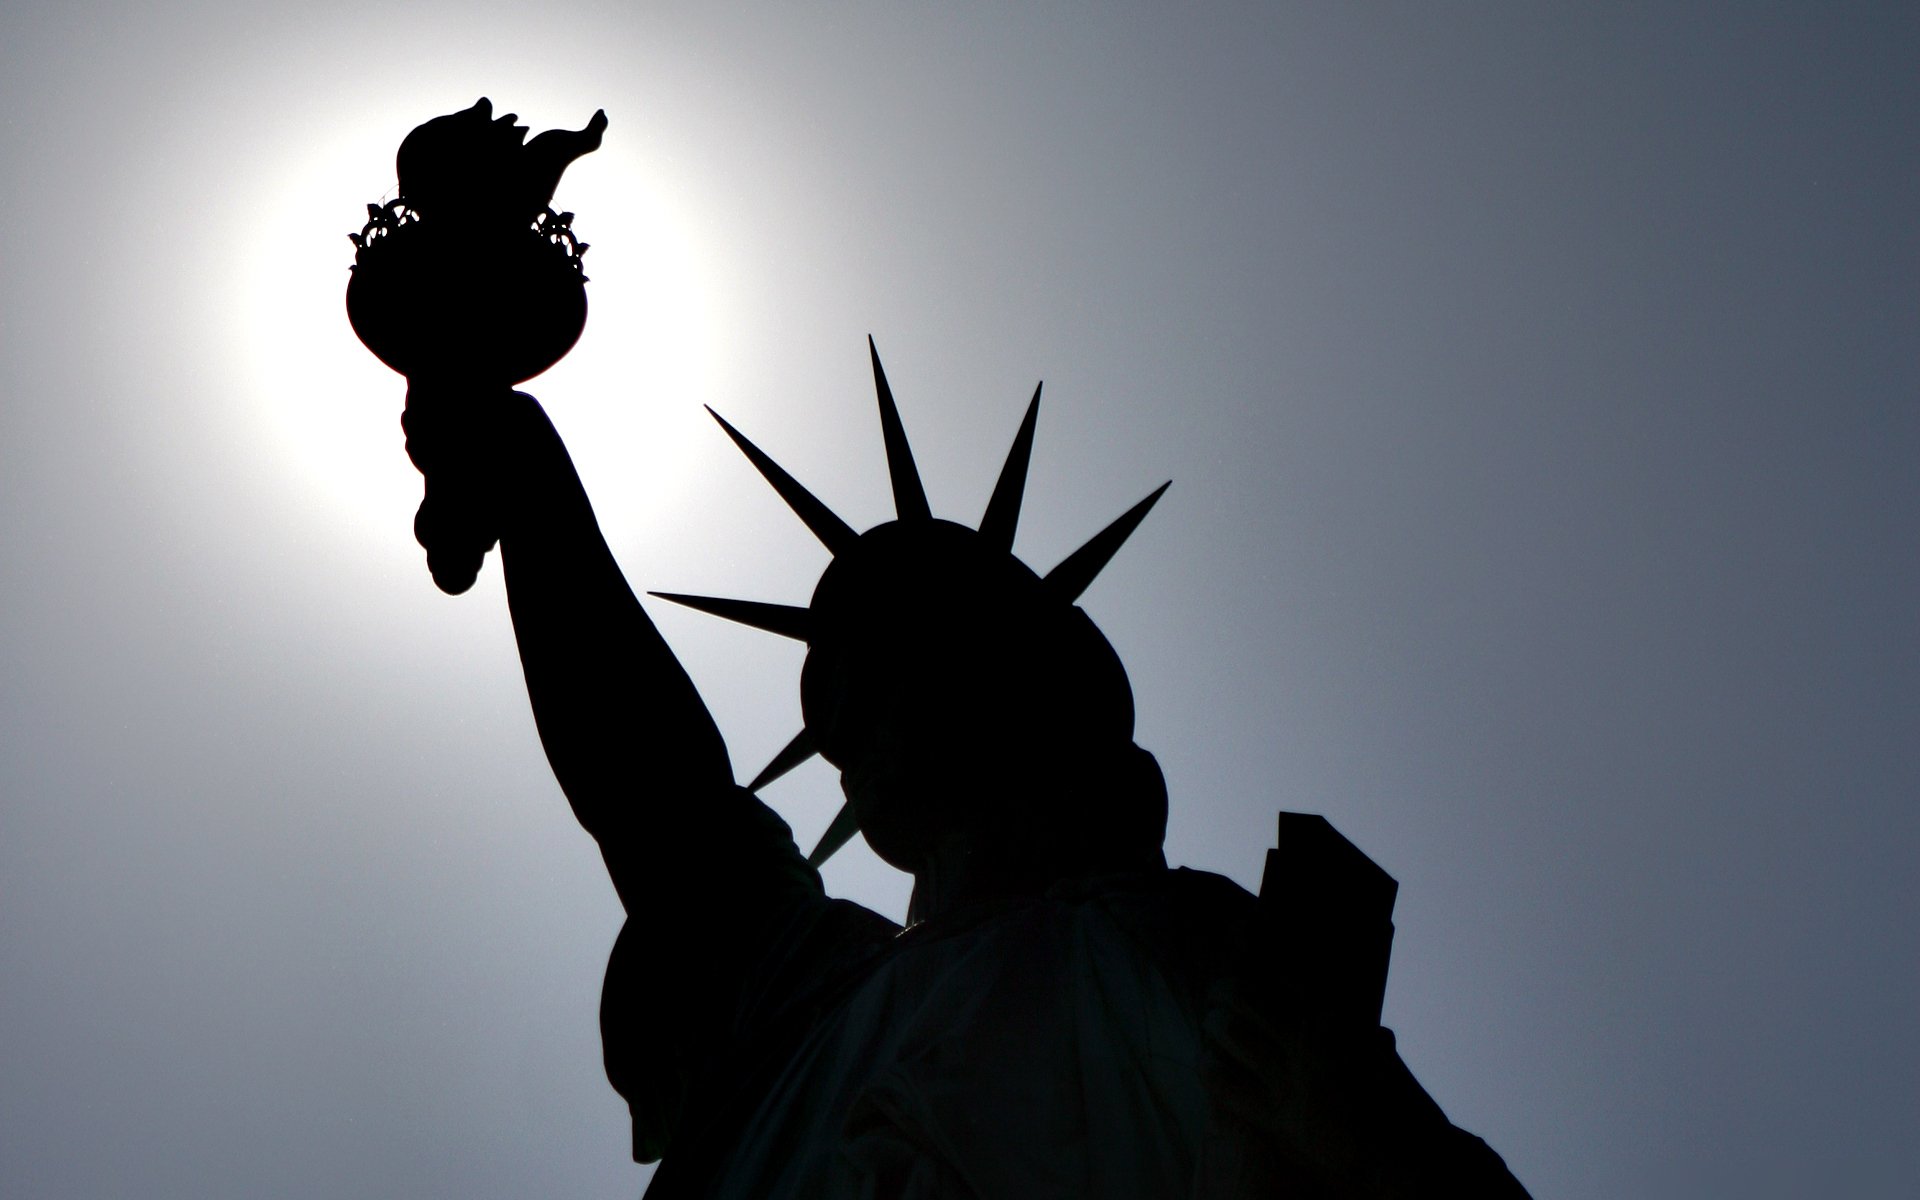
x=329 y=410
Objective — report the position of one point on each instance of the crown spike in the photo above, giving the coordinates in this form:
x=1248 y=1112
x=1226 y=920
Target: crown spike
x=909 y=496
x=795 y=752
x=1003 y=510
x=1078 y=569
x=834 y=533
x=783 y=619
x=845 y=824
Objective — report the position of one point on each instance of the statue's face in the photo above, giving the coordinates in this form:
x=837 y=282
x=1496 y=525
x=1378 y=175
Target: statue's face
x=902 y=799
x=907 y=767
x=949 y=689
x=1006 y=786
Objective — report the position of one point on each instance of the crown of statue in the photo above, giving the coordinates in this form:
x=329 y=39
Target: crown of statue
x=946 y=604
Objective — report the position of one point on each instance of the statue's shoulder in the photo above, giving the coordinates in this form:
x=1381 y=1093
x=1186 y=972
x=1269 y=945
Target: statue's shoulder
x=1315 y=939
x=1186 y=913
x=1169 y=888
x=1187 y=928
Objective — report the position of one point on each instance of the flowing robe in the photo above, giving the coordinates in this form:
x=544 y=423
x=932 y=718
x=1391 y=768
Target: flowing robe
x=1088 y=1042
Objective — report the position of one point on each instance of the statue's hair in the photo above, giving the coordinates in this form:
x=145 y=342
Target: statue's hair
x=943 y=619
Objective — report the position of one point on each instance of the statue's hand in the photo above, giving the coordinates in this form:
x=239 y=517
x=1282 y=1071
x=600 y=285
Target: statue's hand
x=461 y=441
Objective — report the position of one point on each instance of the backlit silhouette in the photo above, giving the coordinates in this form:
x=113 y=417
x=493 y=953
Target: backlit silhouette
x=1063 y=1016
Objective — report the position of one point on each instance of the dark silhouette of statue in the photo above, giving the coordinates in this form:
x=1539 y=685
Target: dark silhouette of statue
x=1063 y=1015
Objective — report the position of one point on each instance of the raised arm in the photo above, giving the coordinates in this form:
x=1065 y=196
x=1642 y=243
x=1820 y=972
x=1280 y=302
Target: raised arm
x=629 y=739
x=462 y=284
x=719 y=900
x=620 y=719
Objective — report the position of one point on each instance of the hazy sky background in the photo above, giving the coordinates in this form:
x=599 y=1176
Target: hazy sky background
x=1539 y=389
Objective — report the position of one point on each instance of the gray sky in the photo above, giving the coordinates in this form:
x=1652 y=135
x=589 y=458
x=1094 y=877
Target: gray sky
x=1538 y=388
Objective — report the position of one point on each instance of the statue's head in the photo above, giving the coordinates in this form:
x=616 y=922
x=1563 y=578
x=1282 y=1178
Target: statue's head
x=961 y=695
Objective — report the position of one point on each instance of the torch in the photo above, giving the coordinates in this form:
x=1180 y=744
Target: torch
x=467 y=283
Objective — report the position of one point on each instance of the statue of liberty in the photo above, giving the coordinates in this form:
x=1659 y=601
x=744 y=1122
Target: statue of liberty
x=1062 y=1014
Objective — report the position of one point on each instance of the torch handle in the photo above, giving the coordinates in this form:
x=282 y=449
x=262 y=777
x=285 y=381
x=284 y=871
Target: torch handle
x=448 y=430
